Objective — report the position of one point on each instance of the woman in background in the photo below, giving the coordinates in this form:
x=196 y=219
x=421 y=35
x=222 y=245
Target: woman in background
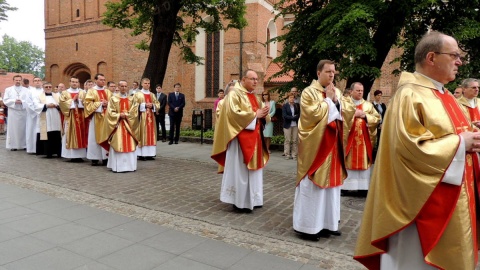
x=268 y=131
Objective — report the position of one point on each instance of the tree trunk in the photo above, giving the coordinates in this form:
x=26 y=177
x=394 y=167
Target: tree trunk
x=384 y=38
x=164 y=26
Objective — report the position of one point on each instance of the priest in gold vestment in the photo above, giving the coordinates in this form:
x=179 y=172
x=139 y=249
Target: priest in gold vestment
x=238 y=147
x=96 y=102
x=74 y=139
x=360 y=136
x=320 y=164
x=470 y=101
x=121 y=123
x=420 y=211
x=147 y=128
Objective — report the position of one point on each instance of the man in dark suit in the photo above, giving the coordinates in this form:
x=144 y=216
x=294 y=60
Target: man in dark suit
x=160 y=114
x=290 y=115
x=176 y=103
x=381 y=108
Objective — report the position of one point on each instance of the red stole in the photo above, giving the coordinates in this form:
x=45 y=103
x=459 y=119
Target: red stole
x=330 y=145
x=436 y=213
x=150 y=139
x=359 y=144
x=127 y=146
x=250 y=140
x=79 y=125
x=474 y=114
x=103 y=96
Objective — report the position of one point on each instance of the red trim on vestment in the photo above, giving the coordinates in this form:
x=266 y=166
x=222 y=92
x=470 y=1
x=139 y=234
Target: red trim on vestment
x=151 y=140
x=250 y=140
x=357 y=148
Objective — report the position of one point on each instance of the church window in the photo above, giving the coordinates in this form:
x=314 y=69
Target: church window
x=212 y=64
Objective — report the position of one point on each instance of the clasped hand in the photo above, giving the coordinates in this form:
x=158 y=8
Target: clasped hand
x=472 y=141
x=261 y=113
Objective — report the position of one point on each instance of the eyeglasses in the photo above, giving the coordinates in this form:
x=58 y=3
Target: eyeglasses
x=455 y=56
x=474 y=87
x=47 y=87
x=265 y=95
x=253 y=79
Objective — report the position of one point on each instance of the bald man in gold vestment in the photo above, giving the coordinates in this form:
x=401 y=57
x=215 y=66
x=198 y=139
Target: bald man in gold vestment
x=420 y=211
x=238 y=147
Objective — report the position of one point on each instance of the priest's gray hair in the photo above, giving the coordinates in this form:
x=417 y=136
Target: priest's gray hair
x=430 y=42
x=466 y=83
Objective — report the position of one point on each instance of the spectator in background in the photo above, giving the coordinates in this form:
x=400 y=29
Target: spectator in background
x=458 y=93
x=221 y=95
x=3 y=116
x=268 y=130
x=290 y=115
x=381 y=108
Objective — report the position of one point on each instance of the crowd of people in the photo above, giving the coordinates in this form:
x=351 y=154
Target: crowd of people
x=106 y=123
x=422 y=198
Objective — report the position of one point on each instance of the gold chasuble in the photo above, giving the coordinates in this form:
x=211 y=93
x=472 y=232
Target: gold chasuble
x=74 y=120
x=361 y=137
x=238 y=111
x=320 y=143
x=472 y=112
x=120 y=133
x=418 y=142
x=146 y=132
x=92 y=101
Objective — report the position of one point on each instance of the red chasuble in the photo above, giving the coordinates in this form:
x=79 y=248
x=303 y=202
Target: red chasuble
x=149 y=124
x=250 y=140
x=103 y=96
x=359 y=145
x=80 y=128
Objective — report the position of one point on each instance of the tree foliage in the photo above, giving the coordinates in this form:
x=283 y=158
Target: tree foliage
x=4 y=7
x=358 y=34
x=167 y=22
x=21 y=57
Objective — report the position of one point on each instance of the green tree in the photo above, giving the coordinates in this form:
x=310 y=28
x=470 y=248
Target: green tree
x=358 y=34
x=21 y=57
x=4 y=7
x=167 y=22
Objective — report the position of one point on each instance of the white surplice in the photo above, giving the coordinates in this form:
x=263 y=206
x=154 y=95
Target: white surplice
x=32 y=119
x=17 y=116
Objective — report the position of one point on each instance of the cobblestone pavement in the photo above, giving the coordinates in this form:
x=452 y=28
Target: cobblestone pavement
x=182 y=184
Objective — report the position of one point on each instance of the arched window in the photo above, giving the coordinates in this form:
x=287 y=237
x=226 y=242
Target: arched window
x=271 y=33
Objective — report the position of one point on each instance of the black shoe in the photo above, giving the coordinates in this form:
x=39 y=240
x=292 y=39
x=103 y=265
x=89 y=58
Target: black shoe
x=149 y=158
x=170 y=143
x=241 y=210
x=164 y=140
x=176 y=142
x=258 y=206
x=104 y=162
x=76 y=160
x=307 y=236
x=13 y=149
x=327 y=231
x=95 y=163
x=141 y=158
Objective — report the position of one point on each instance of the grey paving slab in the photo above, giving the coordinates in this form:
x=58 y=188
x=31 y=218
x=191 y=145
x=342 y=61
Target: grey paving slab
x=27 y=197
x=7 y=233
x=98 y=245
x=14 y=213
x=21 y=247
x=6 y=205
x=260 y=261
x=64 y=233
x=136 y=230
x=183 y=263
x=104 y=221
x=174 y=242
x=7 y=191
x=52 y=259
x=50 y=205
x=138 y=257
x=216 y=253
x=76 y=212
x=93 y=265
x=35 y=223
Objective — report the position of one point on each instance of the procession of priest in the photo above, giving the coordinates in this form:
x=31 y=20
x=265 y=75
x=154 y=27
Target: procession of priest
x=419 y=174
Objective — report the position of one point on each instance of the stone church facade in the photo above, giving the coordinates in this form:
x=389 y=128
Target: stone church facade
x=77 y=43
